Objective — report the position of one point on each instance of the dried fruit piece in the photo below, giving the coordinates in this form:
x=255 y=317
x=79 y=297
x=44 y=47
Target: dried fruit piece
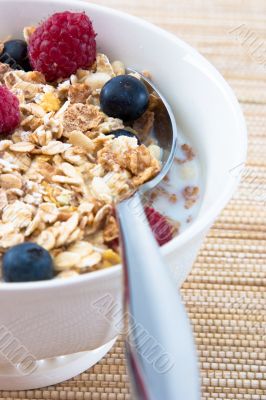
x=50 y=102
x=111 y=256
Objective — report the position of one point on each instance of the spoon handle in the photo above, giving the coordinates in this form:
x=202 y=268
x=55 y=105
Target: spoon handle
x=159 y=345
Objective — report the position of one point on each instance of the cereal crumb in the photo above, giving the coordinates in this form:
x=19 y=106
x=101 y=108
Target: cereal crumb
x=191 y=195
x=118 y=68
x=4 y=68
x=188 y=151
x=173 y=198
x=82 y=117
x=189 y=219
x=79 y=93
x=188 y=154
x=144 y=124
x=27 y=32
x=147 y=74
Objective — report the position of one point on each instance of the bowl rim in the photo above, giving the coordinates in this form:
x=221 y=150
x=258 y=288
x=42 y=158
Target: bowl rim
x=202 y=221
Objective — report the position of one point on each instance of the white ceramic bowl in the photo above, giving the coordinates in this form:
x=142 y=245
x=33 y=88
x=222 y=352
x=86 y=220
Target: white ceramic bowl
x=57 y=317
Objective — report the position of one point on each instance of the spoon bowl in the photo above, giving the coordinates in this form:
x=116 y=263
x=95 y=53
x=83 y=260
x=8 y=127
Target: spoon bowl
x=164 y=132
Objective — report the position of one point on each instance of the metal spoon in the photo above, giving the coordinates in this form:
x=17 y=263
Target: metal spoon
x=161 y=356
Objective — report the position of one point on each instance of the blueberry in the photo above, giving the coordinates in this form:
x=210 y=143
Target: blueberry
x=124 y=132
x=124 y=97
x=27 y=262
x=15 y=53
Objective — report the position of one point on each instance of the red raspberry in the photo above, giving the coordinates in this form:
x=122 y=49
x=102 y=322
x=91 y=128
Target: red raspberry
x=161 y=228
x=9 y=111
x=62 y=44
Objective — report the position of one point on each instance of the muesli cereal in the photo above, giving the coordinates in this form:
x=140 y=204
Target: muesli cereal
x=71 y=156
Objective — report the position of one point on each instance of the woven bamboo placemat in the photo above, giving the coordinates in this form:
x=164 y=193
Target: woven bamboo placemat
x=225 y=293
